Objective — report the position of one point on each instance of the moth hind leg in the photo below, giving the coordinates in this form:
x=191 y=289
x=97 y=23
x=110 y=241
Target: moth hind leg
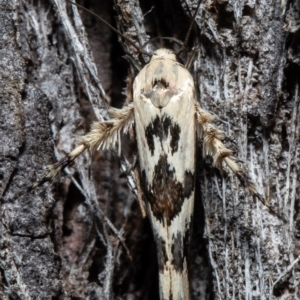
x=103 y=135
x=213 y=146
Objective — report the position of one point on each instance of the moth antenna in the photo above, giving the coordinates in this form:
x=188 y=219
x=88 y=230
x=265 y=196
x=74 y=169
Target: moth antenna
x=132 y=43
x=189 y=30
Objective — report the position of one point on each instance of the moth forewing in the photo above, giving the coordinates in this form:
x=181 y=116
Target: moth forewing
x=164 y=100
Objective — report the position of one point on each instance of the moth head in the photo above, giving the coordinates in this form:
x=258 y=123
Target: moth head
x=163 y=54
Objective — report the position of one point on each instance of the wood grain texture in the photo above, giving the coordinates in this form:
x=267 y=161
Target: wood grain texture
x=246 y=73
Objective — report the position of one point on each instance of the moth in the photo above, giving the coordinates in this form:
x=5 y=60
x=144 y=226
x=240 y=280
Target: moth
x=167 y=120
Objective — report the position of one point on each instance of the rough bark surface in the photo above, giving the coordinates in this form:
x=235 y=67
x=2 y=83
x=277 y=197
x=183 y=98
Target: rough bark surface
x=68 y=239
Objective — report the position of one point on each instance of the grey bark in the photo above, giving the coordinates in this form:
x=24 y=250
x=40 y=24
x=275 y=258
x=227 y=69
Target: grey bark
x=68 y=239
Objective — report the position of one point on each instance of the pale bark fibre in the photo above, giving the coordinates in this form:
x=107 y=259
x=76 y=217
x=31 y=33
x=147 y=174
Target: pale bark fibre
x=58 y=242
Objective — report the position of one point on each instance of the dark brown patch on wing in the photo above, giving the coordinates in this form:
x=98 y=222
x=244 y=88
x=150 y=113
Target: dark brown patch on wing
x=162 y=128
x=167 y=122
x=153 y=129
x=165 y=194
x=161 y=253
x=180 y=248
x=177 y=251
x=174 y=131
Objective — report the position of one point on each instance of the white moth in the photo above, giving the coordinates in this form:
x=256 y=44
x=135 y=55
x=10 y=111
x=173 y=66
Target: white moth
x=166 y=117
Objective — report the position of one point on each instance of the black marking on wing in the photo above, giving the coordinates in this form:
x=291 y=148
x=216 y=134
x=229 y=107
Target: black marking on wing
x=161 y=253
x=165 y=194
x=180 y=248
x=177 y=251
x=162 y=127
x=153 y=129
x=174 y=131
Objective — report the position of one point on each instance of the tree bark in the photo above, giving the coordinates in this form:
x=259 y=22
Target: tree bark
x=83 y=236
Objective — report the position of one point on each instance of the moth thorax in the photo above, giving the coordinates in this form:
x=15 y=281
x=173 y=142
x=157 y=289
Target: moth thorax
x=163 y=54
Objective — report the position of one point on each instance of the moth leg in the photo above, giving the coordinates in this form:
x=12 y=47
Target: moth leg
x=213 y=146
x=140 y=192
x=103 y=135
